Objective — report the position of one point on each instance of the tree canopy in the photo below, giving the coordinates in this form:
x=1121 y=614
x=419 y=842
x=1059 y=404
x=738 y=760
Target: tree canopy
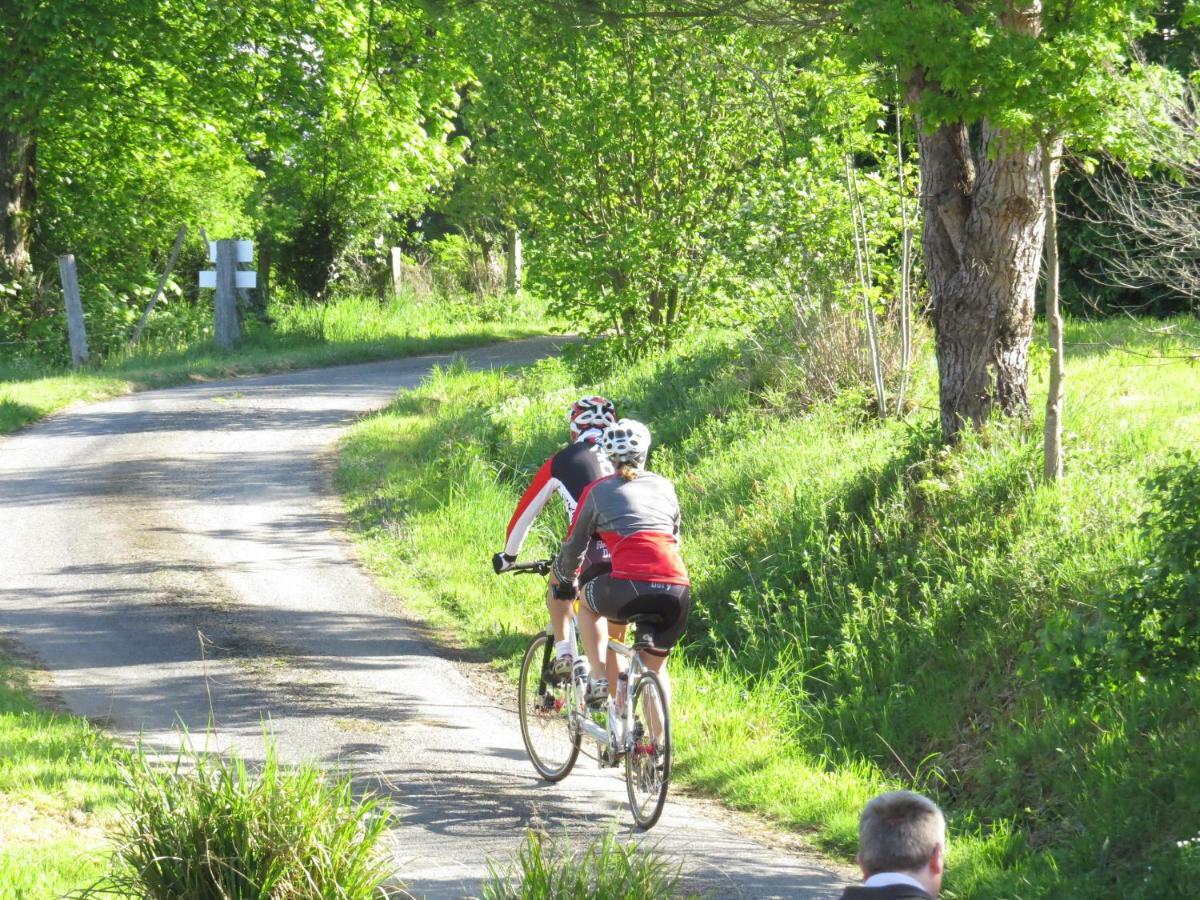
x=668 y=162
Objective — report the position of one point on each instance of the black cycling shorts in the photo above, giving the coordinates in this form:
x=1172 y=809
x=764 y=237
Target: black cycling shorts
x=596 y=561
x=618 y=599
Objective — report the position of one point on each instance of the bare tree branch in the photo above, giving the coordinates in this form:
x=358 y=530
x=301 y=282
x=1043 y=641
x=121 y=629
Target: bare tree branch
x=1153 y=223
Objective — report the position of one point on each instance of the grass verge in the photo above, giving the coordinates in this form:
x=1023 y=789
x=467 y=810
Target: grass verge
x=872 y=609
x=344 y=330
x=60 y=786
x=81 y=816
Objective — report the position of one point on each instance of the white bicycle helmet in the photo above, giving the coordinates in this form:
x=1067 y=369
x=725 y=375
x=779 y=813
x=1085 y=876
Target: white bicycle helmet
x=591 y=413
x=627 y=442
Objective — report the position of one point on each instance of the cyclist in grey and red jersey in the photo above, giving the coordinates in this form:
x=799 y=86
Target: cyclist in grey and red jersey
x=636 y=514
x=567 y=473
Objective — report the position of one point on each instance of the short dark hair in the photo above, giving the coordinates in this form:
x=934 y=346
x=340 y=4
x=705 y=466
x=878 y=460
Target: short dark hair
x=898 y=832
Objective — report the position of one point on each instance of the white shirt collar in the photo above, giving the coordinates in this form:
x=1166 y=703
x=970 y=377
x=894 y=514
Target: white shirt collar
x=883 y=879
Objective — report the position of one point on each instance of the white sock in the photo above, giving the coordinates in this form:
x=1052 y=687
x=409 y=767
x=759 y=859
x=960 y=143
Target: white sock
x=565 y=648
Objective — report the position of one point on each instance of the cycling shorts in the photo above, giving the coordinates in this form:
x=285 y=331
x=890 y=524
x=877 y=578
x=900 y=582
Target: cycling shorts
x=596 y=561
x=618 y=599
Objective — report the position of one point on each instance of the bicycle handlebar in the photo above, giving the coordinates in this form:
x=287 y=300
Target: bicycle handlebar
x=541 y=566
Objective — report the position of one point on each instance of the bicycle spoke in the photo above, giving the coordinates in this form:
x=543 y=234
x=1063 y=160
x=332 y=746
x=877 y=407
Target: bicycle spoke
x=544 y=707
x=648 y=760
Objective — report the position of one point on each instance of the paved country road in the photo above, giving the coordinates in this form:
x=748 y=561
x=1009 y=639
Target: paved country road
x=173 y=556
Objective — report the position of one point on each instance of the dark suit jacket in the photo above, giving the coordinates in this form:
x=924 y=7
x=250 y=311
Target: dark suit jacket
x=890 y=892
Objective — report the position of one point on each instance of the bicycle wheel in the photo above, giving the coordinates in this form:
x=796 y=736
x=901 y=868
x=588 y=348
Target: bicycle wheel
x=648 y=759
x=546 y=714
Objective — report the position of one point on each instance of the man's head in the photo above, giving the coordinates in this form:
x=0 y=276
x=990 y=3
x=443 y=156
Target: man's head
x=588 y=417
x=903 y=832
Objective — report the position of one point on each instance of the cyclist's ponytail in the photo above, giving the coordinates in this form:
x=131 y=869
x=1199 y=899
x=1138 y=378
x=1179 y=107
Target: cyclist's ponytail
x=628 y=471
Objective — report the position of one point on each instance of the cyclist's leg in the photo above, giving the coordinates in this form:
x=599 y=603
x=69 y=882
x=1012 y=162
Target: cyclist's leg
x=560 y=615
x=593 y=629
x=564 y=646
x=597 y=562
x=601 y=600
x=613 y=663
x=657 y=663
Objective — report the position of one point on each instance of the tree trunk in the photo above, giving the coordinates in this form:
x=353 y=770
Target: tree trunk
x=490 y=277
x=1052 y=448
x=983 y=242
x=514 y=271
x=18 y=194
x=262 y=294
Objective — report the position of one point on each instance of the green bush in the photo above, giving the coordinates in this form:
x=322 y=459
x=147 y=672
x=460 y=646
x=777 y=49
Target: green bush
x=34 y=328
x=606 y=869
x=1158 y=617
x=211 y=827
x=1148 y=627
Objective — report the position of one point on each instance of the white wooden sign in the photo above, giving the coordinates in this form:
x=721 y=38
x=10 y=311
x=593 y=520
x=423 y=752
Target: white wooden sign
x=208 y=279
x=245 y=253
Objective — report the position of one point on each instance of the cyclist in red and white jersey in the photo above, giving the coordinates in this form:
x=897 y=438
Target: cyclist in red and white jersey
x=567 y=473
x=636 y=514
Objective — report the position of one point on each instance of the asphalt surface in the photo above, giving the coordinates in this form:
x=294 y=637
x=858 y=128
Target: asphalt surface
x=173 y=559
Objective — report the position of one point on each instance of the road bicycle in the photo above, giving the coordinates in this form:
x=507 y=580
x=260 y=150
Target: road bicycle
x=635 y=726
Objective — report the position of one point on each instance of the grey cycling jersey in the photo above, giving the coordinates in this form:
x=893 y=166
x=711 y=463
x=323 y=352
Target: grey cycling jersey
x=639 y=522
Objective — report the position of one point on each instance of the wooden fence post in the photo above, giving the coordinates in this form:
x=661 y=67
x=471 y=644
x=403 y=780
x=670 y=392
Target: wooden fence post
x=397 y=271
x=75 y=327
x=225 y=322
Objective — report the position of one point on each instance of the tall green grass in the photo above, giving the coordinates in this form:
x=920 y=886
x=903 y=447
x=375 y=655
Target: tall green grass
x=546 y=870
x=80 y=816
x=343 y=330
x=871 y=608
x=211 y=828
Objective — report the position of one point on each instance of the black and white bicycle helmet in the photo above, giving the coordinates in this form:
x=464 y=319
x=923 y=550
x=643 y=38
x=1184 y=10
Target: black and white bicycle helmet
x=588 y=413
x=627 y=442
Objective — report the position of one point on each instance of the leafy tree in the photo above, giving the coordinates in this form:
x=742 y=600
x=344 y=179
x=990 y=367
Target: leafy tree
x=110 y=138
x=315 y=128
x=655 y=163
x=350 y=109
x=100 y=87
x=981 y=78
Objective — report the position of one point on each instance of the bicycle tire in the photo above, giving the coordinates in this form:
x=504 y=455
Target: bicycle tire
x=648 y=773
x=540 y=724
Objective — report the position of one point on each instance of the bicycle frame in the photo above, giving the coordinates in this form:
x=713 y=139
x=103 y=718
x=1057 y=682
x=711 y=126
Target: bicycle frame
x=610 y=737
x=640 y=731
x=615 y=740
x=581 y=721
